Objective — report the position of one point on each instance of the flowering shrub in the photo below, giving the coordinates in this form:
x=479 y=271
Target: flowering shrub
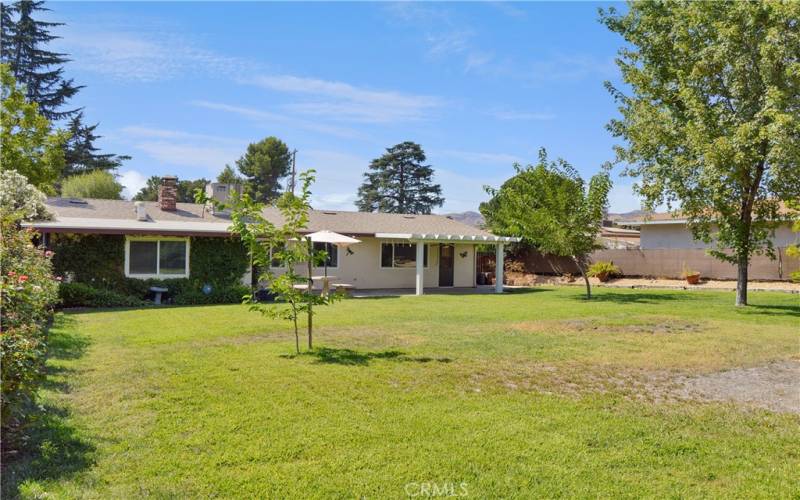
x=28 y=292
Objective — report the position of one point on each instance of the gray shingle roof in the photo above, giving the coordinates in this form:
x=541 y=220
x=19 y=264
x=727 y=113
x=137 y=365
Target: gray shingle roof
x=194 y=215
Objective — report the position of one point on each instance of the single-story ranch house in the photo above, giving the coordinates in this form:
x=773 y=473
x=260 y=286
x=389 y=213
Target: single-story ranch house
x=159 y=239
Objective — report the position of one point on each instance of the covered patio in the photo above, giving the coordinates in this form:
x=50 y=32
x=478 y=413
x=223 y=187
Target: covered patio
x=422 y=239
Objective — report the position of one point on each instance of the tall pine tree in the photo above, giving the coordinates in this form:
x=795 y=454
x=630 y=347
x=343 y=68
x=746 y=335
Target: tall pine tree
x=400 y=182
x=41 y=72
x=38 y=69
x=81 y=155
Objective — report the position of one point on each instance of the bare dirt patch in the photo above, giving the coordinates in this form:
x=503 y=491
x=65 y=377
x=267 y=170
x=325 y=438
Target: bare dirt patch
x=774 y=386
x=652 y=327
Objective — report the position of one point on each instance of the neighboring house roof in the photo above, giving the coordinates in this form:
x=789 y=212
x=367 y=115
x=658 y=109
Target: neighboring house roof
x=677 y=218
x=119 y=217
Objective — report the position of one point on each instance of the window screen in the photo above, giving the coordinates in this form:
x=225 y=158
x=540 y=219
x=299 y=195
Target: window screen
x=143 y=257
x=402 y=255
x=172 y=257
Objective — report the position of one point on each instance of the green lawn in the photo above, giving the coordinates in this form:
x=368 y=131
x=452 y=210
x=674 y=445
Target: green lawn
x=527 y=394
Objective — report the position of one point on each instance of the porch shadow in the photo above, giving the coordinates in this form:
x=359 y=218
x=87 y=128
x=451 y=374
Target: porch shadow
x=349 y=357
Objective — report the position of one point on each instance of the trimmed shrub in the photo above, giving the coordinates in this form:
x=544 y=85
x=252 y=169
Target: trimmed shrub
x=604 y=270
x=83 y=295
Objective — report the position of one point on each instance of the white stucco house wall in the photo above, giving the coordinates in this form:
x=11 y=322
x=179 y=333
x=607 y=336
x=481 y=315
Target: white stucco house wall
x=395 y=250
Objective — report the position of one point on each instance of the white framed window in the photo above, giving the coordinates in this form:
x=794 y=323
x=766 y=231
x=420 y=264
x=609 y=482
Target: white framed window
x=159 y=257
x=401 y=255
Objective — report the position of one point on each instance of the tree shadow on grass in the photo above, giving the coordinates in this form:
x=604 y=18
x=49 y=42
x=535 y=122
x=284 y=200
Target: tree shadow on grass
x=630 y=298
x=776 y=310
x=349 y=357
x=46 y=446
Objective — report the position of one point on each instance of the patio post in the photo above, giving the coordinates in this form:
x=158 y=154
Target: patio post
x=420 y=266
x=498 y=267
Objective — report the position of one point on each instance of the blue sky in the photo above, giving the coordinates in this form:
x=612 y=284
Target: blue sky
x=184 y=87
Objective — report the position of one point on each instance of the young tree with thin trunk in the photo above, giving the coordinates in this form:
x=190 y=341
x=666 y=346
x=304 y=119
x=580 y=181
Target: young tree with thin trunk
x=552 y=209
x=712 y=118
x=267 y=243
x=399 y=182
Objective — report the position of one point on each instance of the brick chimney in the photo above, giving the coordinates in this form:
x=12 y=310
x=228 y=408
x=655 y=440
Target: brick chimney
x=168 y=193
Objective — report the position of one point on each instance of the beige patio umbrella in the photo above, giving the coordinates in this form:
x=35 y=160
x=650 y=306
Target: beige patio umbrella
x=332 y=238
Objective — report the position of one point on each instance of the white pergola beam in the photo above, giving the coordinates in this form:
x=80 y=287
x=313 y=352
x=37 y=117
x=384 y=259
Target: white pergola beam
x=498 y=267
x=420 y=267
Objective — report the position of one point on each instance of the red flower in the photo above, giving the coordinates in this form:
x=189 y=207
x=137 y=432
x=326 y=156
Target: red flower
x=48 y=254
x=23 y=278
x=12 y=273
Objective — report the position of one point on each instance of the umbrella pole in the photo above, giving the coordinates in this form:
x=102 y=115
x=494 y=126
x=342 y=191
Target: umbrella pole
x=310 y=291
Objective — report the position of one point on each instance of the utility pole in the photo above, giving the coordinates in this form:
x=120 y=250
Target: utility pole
x=294 y=172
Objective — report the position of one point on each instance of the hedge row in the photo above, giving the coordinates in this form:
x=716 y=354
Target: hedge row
x=95 y=264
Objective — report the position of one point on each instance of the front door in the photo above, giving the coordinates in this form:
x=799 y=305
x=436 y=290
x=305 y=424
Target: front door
x=446 y=260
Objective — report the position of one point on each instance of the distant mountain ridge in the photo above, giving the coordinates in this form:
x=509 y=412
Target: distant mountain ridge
x=469 y=217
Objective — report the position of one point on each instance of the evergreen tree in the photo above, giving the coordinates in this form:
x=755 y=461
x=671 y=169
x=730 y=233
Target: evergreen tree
x=263 y=165
x=399 y=182
x=80 y=153
x=228 y=176
x=38 y=69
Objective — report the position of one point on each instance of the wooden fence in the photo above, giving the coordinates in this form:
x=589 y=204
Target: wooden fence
x=666 y=263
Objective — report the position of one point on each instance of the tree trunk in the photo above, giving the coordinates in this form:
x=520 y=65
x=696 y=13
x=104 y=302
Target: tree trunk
x=310 y=291
x=296 y=334
x=585 y=278
x=741 y=281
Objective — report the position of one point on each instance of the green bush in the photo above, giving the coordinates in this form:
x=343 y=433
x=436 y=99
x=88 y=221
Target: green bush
x=28 y=292
x=604 y=268
x=83 y=295
x=99 y=261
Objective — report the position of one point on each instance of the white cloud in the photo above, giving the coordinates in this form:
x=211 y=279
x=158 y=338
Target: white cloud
x=267 y=117
x=213 y=159
x=343 y=101
x=143 y=57
x=187 y=149
x=133 y=182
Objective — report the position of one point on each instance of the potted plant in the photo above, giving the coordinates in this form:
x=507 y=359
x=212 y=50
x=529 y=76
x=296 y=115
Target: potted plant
x=604 y=271
x=691 y=276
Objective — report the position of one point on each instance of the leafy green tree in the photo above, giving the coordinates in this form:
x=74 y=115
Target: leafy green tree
x=95 y=184
x=27 y=143
x=400 y=182
x=550 y=207
x=80 y=153
x=263 y=165
x=228 y=176
x=186 y=190
x=39 y=70
x=712 y=118
x=285 y=243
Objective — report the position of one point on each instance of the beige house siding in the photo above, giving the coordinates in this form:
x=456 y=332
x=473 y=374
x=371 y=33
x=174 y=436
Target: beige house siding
x=680 y=237
x=363 y=268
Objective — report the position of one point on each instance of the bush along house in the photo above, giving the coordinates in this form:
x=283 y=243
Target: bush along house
x=111 y=252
